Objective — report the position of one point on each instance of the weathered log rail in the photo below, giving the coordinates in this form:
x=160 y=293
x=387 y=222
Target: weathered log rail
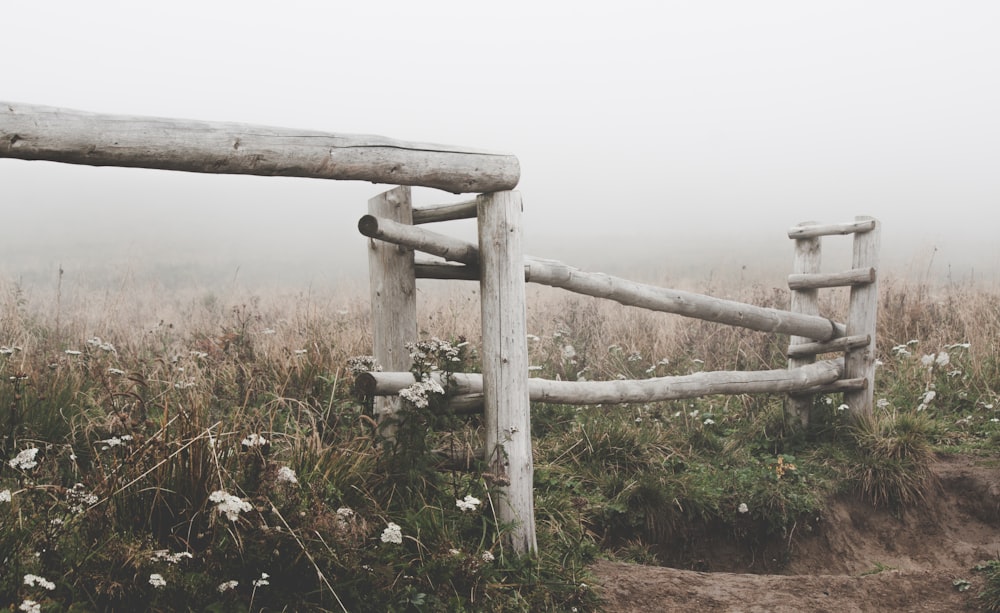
x=32 y=132
x=656 y=389
x=623 y=291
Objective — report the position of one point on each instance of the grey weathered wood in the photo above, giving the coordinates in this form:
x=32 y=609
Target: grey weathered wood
x=445 y=212
x=445 y=270
x=836 y=387
x=599 y=285
x=821 y=280
x=862 y=318
x=507 y=413
x=625 y=391
x=805 y=301
x=393 y=292
x=421 y=239
x=630 y=293
x=32 y=132
x=814 y=230
x=843 y=343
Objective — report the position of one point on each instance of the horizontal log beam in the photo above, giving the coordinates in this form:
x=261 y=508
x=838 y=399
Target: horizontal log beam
x=688 y=304
x=419 y=239
x=819 y=280
x=838 y=386
x=623 y=291
x=445 y=212
x=32 y=132
x=425 y=269
x=844 y=343
x=633 y=391
x=814 y=230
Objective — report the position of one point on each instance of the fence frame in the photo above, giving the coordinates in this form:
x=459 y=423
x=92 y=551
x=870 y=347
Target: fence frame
x=32 y=132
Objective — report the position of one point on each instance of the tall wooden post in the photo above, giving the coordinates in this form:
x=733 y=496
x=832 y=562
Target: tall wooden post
x=807 y=260
x=505 y=363
x=861 y=320
x=393 y=298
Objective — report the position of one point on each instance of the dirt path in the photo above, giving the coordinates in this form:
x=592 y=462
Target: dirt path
x=861 y=559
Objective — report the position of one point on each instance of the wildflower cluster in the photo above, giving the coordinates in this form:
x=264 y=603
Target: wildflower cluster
x=25 y=460
x=418 y=393
x=363 y=363
x=229 y=505
x=392 y=534
x=436 y=354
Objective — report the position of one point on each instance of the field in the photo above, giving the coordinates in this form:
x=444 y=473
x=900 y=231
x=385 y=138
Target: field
x=204 y=449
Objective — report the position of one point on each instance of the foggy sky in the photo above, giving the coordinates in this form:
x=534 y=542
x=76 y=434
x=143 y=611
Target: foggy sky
x=650 y=134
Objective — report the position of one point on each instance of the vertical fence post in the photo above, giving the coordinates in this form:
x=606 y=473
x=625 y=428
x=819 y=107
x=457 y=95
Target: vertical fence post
x=862 y=318
x=806 y=301
x=505 y=363
x=393 y=298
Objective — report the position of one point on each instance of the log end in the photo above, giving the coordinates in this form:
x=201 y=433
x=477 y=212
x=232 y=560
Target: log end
x=368 y=226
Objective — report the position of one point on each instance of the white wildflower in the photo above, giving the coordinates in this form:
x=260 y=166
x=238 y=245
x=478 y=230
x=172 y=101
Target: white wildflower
x=116 y=371
x=73 y=352
x=487 y=557
x=33 y=580
x=843 y=407
x=942 y=359
x=693 y=414
x=468 y=504
x=231 y=505
x=262 y=581
x=254 y=440
x=417 y=393
x=568 y=352
x=454 y=552
x=743 y=508
x=225 y=586
x=301 y=351
x=164 y=555
x=901 y=350
x=709 y=421
x=286 y=475
x=929 y=397
x=30 y=606
x=25 y=459
x=392 y=534
x=157 y=580
x=5 y=496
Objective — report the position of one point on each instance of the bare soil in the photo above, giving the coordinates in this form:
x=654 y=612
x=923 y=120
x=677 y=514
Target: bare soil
x=855 y=558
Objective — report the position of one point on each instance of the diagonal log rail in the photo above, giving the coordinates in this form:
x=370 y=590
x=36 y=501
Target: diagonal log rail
x=626 y=391
x=33 y=132
x=623 y=291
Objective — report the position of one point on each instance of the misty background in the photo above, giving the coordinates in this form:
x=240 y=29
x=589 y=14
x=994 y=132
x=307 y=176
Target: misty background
x=656 y=139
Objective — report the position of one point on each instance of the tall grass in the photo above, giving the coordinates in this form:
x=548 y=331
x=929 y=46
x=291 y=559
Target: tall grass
x=205 y=449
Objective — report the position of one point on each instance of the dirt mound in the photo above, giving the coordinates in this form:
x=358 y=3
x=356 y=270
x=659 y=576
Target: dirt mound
x=856 y=558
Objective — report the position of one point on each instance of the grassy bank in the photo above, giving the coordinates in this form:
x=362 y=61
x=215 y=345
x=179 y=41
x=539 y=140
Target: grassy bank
x=207 y=449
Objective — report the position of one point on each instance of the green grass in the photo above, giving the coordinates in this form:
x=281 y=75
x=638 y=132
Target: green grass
x=144 y=413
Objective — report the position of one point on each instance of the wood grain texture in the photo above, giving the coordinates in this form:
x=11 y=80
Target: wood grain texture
x=625 y=391
x=393 y=291
x=507 y=412
x=32 y=132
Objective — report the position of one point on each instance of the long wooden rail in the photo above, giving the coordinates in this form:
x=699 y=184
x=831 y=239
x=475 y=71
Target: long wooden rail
x=32 y=132
x=623 y=291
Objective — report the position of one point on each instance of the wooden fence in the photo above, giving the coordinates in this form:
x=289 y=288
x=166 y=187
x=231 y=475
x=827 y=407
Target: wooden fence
x=503 y=390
